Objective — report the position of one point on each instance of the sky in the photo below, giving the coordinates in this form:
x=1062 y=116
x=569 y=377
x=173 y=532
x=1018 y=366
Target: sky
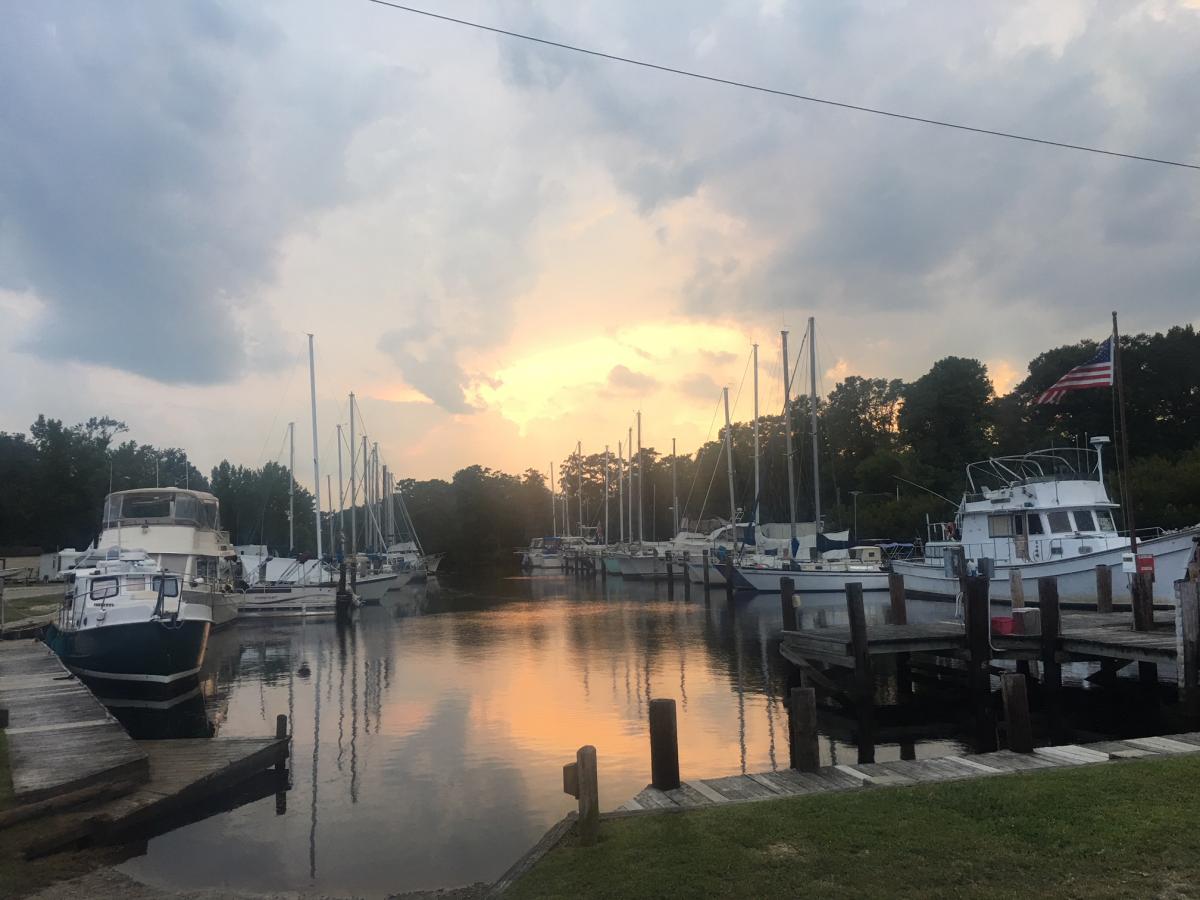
x=504 y=248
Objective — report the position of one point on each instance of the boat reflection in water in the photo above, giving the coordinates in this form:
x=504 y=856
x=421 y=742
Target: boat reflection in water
x=429 y=733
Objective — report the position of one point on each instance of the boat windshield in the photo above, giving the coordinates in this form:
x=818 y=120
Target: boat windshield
x=161 y=508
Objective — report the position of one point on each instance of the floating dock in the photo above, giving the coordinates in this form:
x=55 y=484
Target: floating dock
x=71 y=759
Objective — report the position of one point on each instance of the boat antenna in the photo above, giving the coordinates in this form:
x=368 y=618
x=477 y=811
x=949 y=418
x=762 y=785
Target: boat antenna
x=927 y=490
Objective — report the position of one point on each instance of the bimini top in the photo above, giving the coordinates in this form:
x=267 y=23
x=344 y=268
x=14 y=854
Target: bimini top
x=1055 y=464
x=162 y=506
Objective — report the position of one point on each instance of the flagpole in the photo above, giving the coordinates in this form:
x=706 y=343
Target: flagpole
x=1126 y=486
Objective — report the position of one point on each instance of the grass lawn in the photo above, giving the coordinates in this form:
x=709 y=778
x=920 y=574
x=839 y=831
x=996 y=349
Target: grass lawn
x=23 y=607
x=1129 y=829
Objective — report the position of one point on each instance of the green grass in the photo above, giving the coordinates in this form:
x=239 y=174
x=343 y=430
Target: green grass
x=1118 y=830
x=23 y=607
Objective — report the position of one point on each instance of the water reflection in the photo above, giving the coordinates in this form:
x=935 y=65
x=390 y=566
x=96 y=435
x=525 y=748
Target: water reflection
x=429 y=733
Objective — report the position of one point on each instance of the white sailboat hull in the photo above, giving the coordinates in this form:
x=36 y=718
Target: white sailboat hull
x=371 y=588
x=289 y=602
x=832 y=579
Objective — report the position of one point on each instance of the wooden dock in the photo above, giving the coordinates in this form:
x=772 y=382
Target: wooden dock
x=71 y=760
x=60 y=737
x=827 y=779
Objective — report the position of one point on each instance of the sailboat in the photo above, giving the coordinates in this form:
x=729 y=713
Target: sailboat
x=864 y=565
x=311 y=595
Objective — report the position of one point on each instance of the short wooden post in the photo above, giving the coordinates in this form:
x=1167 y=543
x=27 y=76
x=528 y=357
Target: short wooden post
x=1103 y=589
x=899 y=604
x=281 y=733
x=707 y=577
x=3 y=717
x=1187 y=633
x=670 y=574
x=687 y=575
x=864 y=679
x=1016 y=713
x=979 y=653
x=664 y=745
x=1016 y=588
x=1143 y=601
x=589 y=794
x=805 y=749
x=899 y=610
x=1051 y=671
x=786 y=587
x=729 y=576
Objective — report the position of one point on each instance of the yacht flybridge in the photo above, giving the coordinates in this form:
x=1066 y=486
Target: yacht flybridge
x=1043 y=513
x=181 y=531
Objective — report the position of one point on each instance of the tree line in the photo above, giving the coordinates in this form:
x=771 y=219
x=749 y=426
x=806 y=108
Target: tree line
x=885 y=446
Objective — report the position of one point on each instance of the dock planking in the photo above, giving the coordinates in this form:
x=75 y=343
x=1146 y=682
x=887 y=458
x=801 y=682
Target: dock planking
x=60 y=737
x=710 y=792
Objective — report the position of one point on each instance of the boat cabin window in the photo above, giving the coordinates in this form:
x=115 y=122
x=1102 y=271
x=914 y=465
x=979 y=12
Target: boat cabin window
x=135 y=582
x=170 y=590
x=1084 y=520
x=104 y=588
x=1035 y=524
x=1104 y=520
x=1000 y=526
x=146 y=506
x=1060 y=522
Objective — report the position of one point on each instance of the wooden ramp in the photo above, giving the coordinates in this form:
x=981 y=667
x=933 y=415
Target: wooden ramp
x=827 y=779
x=60 y=737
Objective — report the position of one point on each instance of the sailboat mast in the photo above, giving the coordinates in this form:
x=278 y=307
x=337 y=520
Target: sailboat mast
x=366 y=465
x=312 y=393
x=729 y=464
x=553 y=503
x=1126 y=487
x=629 y=475
x=812 y=410
x=579 y=482
x=341 y=490
x=787 y=431
x=757 y=485
x=674 y=490
x=353 y=484
x=621 y=490
x=329 y=500
x=291 y=487
x=387 y=511
x=641 y=476
x=606 y=494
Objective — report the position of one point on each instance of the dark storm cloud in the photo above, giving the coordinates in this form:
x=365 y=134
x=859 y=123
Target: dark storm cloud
x=152 y=155
x=863 y=215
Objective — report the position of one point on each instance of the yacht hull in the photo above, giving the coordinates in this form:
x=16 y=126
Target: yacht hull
x=151 y=653
x=1076 y=575
x=296 y=602
x=371 y=588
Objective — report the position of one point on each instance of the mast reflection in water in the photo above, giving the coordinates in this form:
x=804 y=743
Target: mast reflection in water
x=429 y=733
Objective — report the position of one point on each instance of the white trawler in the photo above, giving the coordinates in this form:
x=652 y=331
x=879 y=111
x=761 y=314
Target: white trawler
x=180 y=530
x=1043 y=513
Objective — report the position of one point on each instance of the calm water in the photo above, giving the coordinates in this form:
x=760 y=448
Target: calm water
x=430 y=734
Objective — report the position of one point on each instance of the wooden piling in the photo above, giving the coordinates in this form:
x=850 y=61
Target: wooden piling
x=664 y=745
x=1187 y=656
x=979 y=657
x=589 y=794
x=1143 y=601
x=864 y=680
x=3 y=717
x=805 y=751
x=1016 y=588
x=1103 y=589
x=899 y=610
x=729 y=576
x=786 y=587
x=1051 y=670
x=281 y=733
x=687 y=575
x=670 y=574
x=707 y=577
x=1016 y=713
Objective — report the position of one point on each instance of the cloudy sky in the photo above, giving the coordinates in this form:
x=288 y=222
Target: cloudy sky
x=503 y=248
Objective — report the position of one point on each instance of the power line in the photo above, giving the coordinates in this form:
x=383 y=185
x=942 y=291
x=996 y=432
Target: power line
x=780 y=93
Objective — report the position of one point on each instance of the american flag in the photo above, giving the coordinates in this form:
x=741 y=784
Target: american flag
x=1096 y=372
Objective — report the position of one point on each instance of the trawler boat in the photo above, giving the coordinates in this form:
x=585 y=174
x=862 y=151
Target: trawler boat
x=124 y=618
x=864 y=565
x=181 y=531
x=542 y=553
x=1044 y=513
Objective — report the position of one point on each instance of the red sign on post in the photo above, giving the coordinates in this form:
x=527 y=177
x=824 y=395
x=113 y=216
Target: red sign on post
x=1145 y=564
